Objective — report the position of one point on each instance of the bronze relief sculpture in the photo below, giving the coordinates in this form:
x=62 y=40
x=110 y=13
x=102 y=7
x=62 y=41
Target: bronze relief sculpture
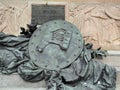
x=55 y=52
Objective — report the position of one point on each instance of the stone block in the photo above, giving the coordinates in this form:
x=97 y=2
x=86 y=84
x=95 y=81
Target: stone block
x=15 y=81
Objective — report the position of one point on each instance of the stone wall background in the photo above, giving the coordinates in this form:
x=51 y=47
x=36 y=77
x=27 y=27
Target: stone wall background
x=98 y=20
x=99 y=23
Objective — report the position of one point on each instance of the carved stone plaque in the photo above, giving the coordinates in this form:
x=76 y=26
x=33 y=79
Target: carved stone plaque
x=45 y=13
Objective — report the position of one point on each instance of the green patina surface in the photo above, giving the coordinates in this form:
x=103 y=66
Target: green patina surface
x=56 y=53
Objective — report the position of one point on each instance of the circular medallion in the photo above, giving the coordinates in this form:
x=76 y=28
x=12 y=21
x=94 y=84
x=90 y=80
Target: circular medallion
x=55 y=45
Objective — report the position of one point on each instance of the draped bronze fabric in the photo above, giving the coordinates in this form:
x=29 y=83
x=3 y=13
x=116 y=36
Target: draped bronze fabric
x=83 y=74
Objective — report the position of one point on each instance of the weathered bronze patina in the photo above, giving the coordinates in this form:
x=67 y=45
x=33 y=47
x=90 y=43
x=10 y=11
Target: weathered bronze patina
x=56 y=53
x=55 y=45
x=44 y=13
